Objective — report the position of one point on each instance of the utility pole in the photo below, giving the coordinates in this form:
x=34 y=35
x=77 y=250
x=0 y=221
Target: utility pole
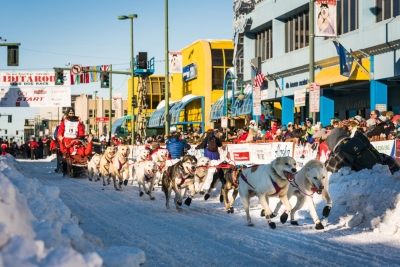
x=167 y=115
x=95 y=113
x=312 y=52
x=110 y=114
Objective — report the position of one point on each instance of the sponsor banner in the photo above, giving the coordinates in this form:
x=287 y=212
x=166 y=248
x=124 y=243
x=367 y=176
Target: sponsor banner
x=300 y=98
x=116 y=101
x=386 y=147
x=239 y=153
x=57 y=96
x=189 y=72
x=102 y=119
x=31 y=78
x=175 y=62
x=325 y=18
x=324 y=152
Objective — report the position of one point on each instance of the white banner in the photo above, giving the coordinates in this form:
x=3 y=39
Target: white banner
x=385 y=147
x=55 y=96
x=116 y=100
x=325 y=18
x=256 y=101
x=300 y=98
x=31 y=78
x=315 y=92
x=175 y=62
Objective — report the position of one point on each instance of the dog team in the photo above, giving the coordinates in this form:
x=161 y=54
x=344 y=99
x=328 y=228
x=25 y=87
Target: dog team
x=186 y=176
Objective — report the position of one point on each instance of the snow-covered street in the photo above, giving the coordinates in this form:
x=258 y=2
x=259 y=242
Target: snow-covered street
x=203 y=234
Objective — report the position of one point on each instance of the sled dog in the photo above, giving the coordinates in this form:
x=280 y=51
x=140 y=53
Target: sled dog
x=176 y=177
x=119 y=167
x=312 y=178
x=145 y=177
x=265 y=181
x=159 y=158
x=203 y=164
x=105 y=163
x=94 y=167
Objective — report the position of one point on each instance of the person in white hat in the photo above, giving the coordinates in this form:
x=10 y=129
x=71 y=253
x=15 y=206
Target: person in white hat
x=252 y=131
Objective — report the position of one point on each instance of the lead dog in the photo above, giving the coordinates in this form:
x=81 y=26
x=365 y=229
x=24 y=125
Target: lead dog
x=119 y=167
x=312 y=178
x=143 y=156
x=105 y=163
x=145 y=177
x=159 y=158
x=175 y=178
x=94 y=167
x=266 y=181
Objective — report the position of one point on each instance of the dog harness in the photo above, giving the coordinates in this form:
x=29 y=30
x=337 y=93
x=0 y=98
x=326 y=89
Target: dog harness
x=276 y=186
x=147 y=178
x=121 y=164
x=182 y=179
x=245 y=180
x=201 y=178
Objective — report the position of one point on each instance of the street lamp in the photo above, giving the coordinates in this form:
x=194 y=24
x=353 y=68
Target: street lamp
x=131 y=17
x=95 y=113
x=51 y=121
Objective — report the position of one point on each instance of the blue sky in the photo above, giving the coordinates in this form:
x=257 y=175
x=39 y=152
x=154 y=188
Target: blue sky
x=88 y=32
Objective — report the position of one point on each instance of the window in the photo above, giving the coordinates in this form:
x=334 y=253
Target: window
x=347 y=11
x=218 y=78
x=264 y=44
x=228 y=57
x=386 y=9
x=125 y=112
x=90 y=113
x=113 y=113
x=217 y=58
x=107 y=113
x=296 y=32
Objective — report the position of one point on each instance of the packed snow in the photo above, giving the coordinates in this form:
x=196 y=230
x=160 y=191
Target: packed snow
x=50 y=220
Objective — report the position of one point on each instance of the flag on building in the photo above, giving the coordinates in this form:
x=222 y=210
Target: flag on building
x=345 y=59
x=259 y=77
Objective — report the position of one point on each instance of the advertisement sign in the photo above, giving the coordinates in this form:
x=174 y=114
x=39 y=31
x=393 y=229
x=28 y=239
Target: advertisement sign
x=38 y=97
x=224 y=122
x=175 y=62
x=300 y=98
x=104 y=119
x=380 y=107
x=31 y=78
x=116 y=100
x=386 y=147
x=314 y=97
x=257 y=101
x=325 y=18
x=189 y=72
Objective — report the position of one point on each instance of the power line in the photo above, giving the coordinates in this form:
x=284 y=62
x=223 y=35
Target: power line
x=68 y=54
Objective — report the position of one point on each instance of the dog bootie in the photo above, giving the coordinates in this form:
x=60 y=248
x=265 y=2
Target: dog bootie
x=141 y=194
x=293 y=222
x=188 y=201
x=319 y=226
x=326 y=211
x=284 y=217
x=206 y=196
x=272 y=225
x=221 y=198
x=126 y=182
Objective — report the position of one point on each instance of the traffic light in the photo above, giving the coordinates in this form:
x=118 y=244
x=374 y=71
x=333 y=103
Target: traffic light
x=134 y=102
x=16 y=132
x=9 y=118
x=12 y=55
x=44 y=123
x=105 y=80
x=59 y=77
x=5 y=131
x=26 y=122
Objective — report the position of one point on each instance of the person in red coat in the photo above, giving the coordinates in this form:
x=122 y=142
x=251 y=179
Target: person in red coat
x=34 y=148
x=242 y=136
x=4 y=148
x=70 y=128
x=77 y=152
x=53 y=146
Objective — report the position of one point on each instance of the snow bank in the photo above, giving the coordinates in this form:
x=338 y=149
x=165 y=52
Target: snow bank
x=366 y=199
x=37 y=228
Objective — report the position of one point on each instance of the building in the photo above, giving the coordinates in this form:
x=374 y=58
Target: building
x=274 y=35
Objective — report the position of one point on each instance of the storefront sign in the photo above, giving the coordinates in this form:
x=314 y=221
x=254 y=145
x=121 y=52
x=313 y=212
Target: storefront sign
x=314 y=97
x=325 y=18
x=35 y=97
x=257 y=101
x=300 y=98
x=30 y=78
x=189 y=72
x=296 y=84
x=363 y=103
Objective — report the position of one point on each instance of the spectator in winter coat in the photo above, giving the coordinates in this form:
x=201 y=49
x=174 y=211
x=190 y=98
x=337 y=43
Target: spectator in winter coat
x=40 y=149
x=33 y=145
x=353 y=128
x=176 y=147
x=212 y=155
x=242 y=136
x=70 y=128
x=53 y=146
x=4 y=148
x=379 y=128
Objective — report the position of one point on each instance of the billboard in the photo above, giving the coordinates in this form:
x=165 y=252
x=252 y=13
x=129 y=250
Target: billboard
x=325 y=18
x=31 y=78
x=175 y=62
x=189 y=72
x=38 y=97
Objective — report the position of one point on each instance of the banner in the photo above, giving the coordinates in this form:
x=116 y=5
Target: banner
x=175 y=62
x=315 y=92
x=325 y=18
x=300 y=98
x=31 y=78
x=116 y=101
x=257 y=101
x=38 y=97
x=386 y=147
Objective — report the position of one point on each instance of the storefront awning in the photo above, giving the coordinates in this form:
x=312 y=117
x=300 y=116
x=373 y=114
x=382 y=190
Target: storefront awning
x=157 y=119
x=332 y=75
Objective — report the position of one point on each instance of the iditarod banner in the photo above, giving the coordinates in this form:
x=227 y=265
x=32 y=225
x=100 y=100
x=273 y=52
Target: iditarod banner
x=325 y=18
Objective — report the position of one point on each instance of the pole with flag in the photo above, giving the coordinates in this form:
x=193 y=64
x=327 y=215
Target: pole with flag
x=345 y=59
x=259 y=78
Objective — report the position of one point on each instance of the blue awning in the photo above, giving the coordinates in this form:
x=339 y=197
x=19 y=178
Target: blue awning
x=157 y=119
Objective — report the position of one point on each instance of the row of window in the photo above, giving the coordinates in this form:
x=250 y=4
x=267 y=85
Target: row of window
x=106 y=113
x=297 y=26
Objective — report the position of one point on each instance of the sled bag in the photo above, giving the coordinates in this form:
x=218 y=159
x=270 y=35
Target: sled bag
x=360 y=153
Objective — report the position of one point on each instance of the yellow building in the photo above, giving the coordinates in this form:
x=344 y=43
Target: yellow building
x=193 y=91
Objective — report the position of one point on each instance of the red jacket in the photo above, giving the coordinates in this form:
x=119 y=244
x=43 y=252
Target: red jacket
x=243 y=138
x=70 y=128
x=53 y=145
x=33 y=145
x=79 y=150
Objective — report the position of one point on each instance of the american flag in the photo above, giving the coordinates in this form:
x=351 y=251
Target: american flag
x=259 y=77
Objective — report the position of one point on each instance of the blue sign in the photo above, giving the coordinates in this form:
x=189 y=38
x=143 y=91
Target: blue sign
x=189 y=72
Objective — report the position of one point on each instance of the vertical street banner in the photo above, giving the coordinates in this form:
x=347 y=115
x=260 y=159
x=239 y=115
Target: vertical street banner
x=116 y=101
x=300 y=98
x=315 y=92
x=175 y=62
x=325 y=18
x=257 y=101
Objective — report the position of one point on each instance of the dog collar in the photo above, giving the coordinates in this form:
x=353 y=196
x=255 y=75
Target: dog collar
x=147 y=178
